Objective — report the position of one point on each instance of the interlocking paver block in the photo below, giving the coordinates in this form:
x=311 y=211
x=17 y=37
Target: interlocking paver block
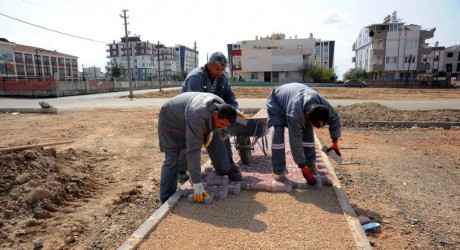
x=207 y=199
x=213 y=179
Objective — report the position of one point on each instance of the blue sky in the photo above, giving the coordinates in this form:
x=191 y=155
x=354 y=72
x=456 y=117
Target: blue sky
x=213 y=24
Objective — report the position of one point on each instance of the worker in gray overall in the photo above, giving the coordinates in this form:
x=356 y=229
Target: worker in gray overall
x=299 y=108
x=187 y=122
x=210 y=78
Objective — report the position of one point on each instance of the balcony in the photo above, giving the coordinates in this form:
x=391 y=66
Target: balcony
x=376 y=67
x=376 y=51
x=427 y=34
x=423 y=67
x=425 y=51
x=379 y=35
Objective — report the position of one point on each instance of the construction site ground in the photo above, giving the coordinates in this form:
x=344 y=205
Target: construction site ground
x=95 y=192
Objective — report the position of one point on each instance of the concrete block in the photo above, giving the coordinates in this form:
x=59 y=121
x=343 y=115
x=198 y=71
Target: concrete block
x=217 y=180
x=207 y=199
x=234 y=188
x=262 y=186
x=324 y=179
x=323 y=171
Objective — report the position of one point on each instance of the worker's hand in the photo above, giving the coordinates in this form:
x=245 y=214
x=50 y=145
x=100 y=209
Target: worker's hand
x=308 y=176
x=208 y=139
x=198 y=192
x=335 y=147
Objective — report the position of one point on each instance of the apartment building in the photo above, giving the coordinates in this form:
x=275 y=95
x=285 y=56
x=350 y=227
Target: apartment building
x=186 y=58
x=452 y=61
x=92 y=72
x=23 y=61
x=142 y=56
x=393 y=50
x=276 y=58
x=152 y=59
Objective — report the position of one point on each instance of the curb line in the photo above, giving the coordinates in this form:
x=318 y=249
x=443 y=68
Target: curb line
x=30 y=110
x=149 y=225
x=359 y=236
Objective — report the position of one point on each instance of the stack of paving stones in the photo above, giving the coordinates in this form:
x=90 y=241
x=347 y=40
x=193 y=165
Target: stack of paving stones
x=257 y=175
x=218 y=187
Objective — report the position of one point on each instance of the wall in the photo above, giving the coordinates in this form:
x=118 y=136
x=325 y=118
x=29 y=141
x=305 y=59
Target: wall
x=53 y=88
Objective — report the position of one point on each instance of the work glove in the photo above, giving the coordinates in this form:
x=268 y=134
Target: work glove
x=198 y=192
x=208 y=139
x=307 y=175
x=335 y=147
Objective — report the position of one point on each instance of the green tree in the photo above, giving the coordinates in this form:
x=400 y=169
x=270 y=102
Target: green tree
x=305 y=71
x=355 y=73
x=115 y=70
x=317 y=73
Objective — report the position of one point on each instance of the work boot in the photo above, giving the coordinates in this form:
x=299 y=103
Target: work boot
x=278 y=175
x=235 y=173
x=183 y=177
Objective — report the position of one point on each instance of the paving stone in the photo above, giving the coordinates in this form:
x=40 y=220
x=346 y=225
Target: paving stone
x=257 y=175
x=207 y=199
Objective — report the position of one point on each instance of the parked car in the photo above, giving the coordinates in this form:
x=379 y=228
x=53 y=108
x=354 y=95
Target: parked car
x=354 y=83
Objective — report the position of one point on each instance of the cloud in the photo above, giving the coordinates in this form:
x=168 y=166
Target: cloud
x=336 y=19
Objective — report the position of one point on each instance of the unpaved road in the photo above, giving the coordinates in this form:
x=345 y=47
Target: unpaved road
x=93 y=193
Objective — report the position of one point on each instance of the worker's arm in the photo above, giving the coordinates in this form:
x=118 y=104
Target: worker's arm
x=195 y=130
x=228 y=95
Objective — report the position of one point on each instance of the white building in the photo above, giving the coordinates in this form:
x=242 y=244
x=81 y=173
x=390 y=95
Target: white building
x=277 y=59
x=392 y=50
x=452 y=61
x=141 y=54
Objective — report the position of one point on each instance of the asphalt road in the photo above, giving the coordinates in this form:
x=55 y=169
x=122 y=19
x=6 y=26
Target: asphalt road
x=112 y=100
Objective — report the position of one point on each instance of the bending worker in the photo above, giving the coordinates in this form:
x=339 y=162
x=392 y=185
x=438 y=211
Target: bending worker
x=186 y=122
x=299 y=108
x=210 y=78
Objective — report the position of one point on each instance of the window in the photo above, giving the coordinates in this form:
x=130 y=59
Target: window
x=387 y=60
x=458 y=67
x=254 y=76
x=395 y=59
x=450 y=54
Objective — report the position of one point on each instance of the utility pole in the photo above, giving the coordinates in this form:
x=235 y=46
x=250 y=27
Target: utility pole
x=158 y=62
x=38 y=63
x=127 y=54
x=194 y=51
x=95 y=76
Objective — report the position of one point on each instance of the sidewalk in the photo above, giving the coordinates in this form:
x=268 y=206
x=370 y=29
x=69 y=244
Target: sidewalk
x=265 y=215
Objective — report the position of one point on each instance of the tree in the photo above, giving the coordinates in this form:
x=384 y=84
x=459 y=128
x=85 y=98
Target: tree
x=317 y=73
x=305 y=71
x=355 y=73
x=115 y=70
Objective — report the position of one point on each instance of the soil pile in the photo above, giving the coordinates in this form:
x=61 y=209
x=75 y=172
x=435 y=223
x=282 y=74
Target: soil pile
x=369 y=111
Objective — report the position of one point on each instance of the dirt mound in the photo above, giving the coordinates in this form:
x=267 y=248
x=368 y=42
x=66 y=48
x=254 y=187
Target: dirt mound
x=368 y=111
x=38 y=184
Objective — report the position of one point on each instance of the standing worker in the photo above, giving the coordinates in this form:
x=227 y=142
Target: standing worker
x=299 y=108
x=186 y=122
x=211 y=78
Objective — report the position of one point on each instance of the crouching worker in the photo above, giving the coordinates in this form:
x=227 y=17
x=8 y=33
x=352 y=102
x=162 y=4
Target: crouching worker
x=187 y=121
x=299 y=108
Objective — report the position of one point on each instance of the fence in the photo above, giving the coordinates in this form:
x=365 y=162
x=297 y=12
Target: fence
x=49 y=87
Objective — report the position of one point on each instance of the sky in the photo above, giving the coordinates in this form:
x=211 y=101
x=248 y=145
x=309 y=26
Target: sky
x=212 y=24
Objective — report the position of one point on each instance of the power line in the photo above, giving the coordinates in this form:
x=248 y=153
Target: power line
x=54 y=30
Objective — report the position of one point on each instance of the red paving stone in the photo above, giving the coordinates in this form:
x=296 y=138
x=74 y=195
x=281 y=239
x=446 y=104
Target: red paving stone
x=257 y=175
